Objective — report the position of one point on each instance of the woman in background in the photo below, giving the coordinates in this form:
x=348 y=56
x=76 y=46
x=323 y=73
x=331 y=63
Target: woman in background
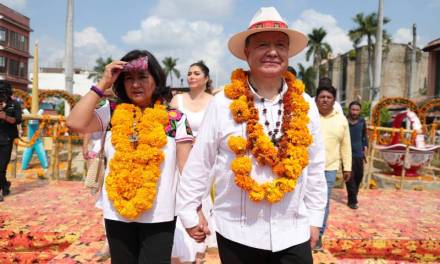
x=193 y=104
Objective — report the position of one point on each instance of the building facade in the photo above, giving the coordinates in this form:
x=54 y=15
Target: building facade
x=54 y=79
x=14 y=47
x=350 y=75
x=433 y=50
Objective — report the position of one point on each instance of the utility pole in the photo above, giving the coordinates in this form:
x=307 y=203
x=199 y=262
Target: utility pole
x=375 y=93
x=35 y=98
x=68 y=57
x=412 y=77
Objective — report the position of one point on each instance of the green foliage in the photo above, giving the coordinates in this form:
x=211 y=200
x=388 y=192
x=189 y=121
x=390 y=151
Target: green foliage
x=99 y=68
x=352 y=54
x=366 y=109
x=169 y=64
x=316 y=44
x=307 y=75
x=60 y=108
x=318 y=48
x=385 y=116
x=366 y=27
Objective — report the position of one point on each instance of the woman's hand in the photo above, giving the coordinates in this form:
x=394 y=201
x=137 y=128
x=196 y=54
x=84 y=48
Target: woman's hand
x=110 y=75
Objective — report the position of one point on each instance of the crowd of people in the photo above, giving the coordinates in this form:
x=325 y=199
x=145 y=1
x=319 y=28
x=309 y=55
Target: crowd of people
x=249 y=170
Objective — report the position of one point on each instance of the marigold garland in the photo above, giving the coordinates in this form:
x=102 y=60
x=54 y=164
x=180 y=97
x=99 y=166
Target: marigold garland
x=288 y=160
x=135 y=169
x=27 y=144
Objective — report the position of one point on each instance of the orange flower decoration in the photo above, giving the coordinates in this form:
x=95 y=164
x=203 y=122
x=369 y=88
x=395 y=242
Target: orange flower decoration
x=288 y=158
x=135 y=168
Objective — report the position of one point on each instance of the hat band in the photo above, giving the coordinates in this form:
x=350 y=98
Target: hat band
x=268 y=24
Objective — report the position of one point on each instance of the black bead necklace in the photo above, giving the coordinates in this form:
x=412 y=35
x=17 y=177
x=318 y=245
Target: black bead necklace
x=273 y=133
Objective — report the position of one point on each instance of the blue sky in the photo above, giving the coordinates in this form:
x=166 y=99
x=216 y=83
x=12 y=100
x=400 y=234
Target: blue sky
x=199 y=29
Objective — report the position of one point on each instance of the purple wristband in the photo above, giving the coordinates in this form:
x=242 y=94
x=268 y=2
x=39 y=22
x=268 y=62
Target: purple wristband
x=97 y=91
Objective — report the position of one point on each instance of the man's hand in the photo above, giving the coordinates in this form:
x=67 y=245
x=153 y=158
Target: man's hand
x=200 y=231
x=314 y=236
x=2 y=115
x=346 y=175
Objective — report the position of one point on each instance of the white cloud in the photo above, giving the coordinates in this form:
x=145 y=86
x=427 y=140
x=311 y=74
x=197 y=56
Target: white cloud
x=90 y=44
x=51 y=52
x=189 y=41
x=336 y=36
x=14 y=4
x=193 y=9
x=404 y=35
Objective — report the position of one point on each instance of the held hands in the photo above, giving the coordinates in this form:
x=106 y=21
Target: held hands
x=314 y=236
x=200 y=231
x=2 y=115
x=110 y=75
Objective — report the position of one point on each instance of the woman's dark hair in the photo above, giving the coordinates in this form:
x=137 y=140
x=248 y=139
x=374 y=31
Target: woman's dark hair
x=161 y=91
x=205 y=71
x=354 y=103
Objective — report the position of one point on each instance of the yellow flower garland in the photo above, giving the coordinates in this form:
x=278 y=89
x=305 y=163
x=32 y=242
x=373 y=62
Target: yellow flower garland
x=134 y=170
x=289 y=159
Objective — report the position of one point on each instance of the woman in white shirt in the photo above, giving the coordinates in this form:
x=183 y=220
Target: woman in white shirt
x=194 y=104
x=145 y=143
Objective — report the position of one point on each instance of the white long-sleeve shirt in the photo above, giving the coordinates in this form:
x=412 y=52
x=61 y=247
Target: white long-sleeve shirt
x=256 y=224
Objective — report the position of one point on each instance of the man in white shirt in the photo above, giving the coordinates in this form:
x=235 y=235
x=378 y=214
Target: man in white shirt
x=270 y=210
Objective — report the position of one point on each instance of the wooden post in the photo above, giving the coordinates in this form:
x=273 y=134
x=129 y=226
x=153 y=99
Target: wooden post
x=57 y=154
x=69 y=156
x=402 y=176
x=53 y=156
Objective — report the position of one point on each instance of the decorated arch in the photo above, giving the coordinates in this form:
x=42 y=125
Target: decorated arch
x=375 y=118
x=70 y=98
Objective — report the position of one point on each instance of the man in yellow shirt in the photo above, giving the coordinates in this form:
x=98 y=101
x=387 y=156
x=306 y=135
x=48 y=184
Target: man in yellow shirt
x=336 y=134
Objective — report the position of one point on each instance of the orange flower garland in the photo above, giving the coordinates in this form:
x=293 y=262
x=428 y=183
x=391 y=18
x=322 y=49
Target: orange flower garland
x=289 y=159
x=27 y=144
x=135 y=168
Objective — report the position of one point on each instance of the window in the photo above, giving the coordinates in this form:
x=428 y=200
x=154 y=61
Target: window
x=22 y=69
x=3 y=33
x=23 y=43
x=18 y=41
x=13 y=67
x=3 y=63
x=13 y=39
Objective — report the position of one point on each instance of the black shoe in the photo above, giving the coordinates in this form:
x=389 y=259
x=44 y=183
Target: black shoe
x=353 y=206
x=6 y=191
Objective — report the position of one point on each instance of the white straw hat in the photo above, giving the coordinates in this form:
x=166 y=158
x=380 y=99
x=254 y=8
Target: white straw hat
x=267 y=19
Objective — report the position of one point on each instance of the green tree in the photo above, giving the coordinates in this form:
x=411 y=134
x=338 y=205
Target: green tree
x=307 y=75
x=169 y=64
x=99 y=69
x=318 y=48
x=366 y=27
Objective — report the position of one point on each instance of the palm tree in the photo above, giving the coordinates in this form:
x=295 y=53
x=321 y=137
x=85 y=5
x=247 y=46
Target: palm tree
x=307 y=75
x=318 y=48
x=366 y=27
x=169 y=64
x=99 y=69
